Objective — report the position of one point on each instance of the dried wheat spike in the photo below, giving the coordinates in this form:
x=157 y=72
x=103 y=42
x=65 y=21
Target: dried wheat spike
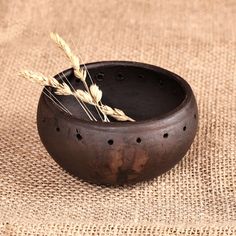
x=79 y=73
x=116 y=113
x=96 y=93
x=84 y=96
x=61 y=89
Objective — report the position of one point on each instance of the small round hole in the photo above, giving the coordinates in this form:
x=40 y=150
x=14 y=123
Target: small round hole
x=195 y=116
x=110 y=141
x=100 y=76
x=120 y=77
x=58 y=129
x=165 y=135
x=184 y=128
x=43 y=120
x=138 y=140
x=141 y=77
x=79 y=137
x=161 y=82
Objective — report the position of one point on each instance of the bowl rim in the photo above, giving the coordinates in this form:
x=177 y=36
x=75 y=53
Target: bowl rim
x=183 y=83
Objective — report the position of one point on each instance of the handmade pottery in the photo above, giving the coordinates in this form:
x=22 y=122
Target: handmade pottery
x=116 y=153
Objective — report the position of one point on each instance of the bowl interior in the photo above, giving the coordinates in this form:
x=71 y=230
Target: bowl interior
x=142 y=92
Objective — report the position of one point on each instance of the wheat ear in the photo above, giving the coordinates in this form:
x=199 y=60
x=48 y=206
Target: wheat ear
x=60 y=89
x=78 y=71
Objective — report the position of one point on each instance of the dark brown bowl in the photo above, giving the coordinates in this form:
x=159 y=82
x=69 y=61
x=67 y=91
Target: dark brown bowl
x=116 y=153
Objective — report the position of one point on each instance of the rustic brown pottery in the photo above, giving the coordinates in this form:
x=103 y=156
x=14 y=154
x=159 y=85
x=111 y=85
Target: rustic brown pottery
x=116 y=153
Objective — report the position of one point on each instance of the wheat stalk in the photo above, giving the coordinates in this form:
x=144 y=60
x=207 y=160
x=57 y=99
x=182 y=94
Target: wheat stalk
x=64 y=89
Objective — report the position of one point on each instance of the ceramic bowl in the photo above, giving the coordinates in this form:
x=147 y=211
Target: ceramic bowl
x=117 y=153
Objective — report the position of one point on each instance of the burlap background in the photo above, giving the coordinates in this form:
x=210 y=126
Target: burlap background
x=196 y=39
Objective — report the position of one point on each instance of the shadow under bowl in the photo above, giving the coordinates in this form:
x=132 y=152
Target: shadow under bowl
x=118 y=153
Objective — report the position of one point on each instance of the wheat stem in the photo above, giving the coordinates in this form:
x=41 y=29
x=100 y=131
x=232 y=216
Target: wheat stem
x=61 y=107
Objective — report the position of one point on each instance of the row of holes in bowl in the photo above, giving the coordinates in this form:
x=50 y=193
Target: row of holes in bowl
x=100 y=77
x=110 y=141
x=138 y=140
x=120 y=77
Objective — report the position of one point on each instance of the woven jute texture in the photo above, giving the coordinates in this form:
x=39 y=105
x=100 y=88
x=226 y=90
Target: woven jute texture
x=195 y=39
